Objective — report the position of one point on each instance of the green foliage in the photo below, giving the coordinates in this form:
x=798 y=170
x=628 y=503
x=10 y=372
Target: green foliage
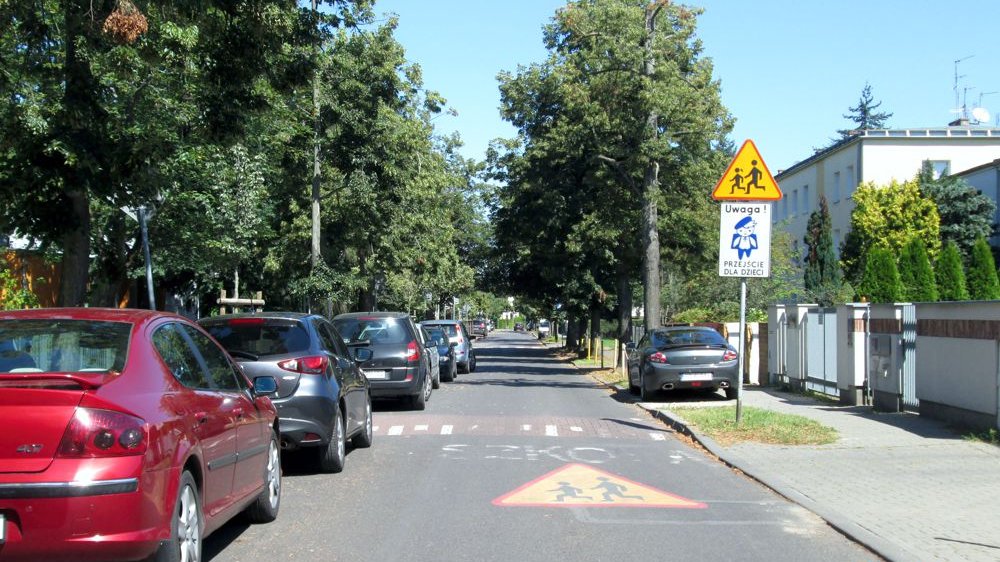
x=966 y=213
x=916 y=273
x=822 y=279
x=889 y=216
x=981 y=278
x=864 y=115
x=880 y=282
x=950 y=276
x=13 y=296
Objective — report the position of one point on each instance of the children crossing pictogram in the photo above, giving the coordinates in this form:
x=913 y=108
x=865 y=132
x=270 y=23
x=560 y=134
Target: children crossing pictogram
x=747 y=178
x=579 y=485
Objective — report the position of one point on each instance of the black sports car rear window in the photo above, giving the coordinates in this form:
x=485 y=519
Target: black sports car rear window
x=260 y=336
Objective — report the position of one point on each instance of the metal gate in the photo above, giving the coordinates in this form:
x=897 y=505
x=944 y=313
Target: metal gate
x=821 y=350
x=909 y=352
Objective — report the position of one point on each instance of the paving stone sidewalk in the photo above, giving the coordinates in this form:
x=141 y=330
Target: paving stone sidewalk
x=905 y=486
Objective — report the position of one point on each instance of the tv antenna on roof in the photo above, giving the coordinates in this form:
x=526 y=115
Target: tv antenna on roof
x=959 y=109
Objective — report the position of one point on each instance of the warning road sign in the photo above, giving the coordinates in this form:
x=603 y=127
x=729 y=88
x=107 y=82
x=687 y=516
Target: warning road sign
x=576 y=485
x=747 y=178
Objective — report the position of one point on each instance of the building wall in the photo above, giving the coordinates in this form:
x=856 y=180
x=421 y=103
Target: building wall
x=879 y=157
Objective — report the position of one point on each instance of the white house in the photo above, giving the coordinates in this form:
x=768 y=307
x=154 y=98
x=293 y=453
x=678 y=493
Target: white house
x=878 y=156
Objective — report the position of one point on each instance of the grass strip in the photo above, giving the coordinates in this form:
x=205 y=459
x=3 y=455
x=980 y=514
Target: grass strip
x=758 y=425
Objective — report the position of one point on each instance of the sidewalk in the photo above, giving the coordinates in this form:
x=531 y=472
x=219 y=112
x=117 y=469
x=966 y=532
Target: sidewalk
x=904 y=486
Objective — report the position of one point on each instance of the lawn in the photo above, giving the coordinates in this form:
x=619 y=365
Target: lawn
x=756 y=424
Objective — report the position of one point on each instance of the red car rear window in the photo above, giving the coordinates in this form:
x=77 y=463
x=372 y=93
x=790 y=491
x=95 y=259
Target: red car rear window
x=59 y=345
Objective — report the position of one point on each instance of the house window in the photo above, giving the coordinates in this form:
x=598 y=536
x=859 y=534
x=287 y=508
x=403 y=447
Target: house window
x=795 y=201
x=784 y=207
x=835 y=196
x=851 y=181
x=941 y=168
x=805 y=199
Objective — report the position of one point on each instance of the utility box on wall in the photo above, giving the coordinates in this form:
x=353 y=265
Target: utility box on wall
x=884 y=371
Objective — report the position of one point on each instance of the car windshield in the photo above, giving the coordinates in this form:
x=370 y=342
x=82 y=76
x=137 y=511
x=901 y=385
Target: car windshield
x=687 y=337
x=57 y=346
x=374 y=330
x=450 y=329
x=260 y=336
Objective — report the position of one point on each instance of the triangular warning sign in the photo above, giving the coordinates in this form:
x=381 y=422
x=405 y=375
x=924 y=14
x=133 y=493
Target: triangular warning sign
x=576 y=485
x=747 y=178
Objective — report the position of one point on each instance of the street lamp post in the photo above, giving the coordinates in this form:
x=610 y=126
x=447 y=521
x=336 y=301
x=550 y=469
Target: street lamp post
x=142 y=214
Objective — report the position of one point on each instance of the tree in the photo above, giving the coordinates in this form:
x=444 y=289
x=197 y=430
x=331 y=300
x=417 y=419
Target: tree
x=966 y=213
x=864 y=115
x=916 y=274
x=880 y=282
x=981 y=278
x=950 y=275
x=890 y=216
x=822 y=277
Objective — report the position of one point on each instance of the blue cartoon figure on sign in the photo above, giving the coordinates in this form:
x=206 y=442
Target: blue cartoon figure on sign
x=744 y=240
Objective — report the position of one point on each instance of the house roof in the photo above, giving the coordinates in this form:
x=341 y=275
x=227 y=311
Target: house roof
x=895 y=134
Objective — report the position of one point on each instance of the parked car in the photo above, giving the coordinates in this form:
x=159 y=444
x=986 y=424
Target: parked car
x=432 y=355
x=519 y=326
x=446 y=352
x=465 y=354
x=682 y=357
x=543 y=329
x=128 y=434
x=479 y=329
x=400 y=365
x=322 y=397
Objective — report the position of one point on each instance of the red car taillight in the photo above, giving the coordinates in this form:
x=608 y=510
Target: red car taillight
x=729 y=355
x=658 y=357
x=412 y=352
x=314 y=365
x=102 y=433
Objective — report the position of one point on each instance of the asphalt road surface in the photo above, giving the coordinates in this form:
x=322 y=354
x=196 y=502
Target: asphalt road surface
x=528 y=459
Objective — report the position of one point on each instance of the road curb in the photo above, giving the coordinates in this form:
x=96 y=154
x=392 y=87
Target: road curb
x=846 y=526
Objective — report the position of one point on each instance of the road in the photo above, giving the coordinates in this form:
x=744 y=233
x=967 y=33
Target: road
x=528 y=459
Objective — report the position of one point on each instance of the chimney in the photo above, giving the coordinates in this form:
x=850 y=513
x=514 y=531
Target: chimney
x=960 y=122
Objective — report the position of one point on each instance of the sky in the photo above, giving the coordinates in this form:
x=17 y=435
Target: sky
x=789 y=70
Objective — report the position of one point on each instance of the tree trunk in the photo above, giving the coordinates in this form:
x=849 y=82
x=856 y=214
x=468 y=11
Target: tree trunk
x=572 y=331
x=595 y=327
x=624 y=290
x=650 y=187
x=76 y=253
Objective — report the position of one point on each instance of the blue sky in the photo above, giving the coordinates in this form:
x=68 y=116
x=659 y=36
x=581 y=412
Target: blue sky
x=789 y=70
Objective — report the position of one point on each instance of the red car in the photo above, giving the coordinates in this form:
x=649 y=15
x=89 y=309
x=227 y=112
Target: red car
x=127 y=434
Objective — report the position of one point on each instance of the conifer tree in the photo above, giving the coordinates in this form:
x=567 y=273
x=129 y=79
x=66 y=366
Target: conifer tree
x=950 y=276
x=915 y=272
x=823 y=277
x=880 y=281
x=865 y=115
x=982 y=279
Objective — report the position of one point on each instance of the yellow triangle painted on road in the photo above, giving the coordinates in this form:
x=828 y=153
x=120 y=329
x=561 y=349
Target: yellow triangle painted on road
x=747 y=178
x=578 y=485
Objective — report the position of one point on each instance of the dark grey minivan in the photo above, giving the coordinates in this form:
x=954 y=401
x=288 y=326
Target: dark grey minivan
x=399 y=366
x=323 y=396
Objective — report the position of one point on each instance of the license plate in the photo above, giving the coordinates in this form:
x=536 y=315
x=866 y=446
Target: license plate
x=377 y=375
x=696 y=377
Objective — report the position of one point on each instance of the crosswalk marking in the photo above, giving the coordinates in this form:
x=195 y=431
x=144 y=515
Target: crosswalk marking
x=499 y=425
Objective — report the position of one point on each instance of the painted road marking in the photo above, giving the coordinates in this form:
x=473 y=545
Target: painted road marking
x=551 y=431
x=420 y=428
x=623 y=428
x=658 y=436
x=526 y=427
x=575 y=428
x=446 y=430
x=396 y=430
x=576 y=485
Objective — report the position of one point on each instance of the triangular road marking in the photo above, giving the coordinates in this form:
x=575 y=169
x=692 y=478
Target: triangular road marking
x=576 y=485
x=747 y=178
